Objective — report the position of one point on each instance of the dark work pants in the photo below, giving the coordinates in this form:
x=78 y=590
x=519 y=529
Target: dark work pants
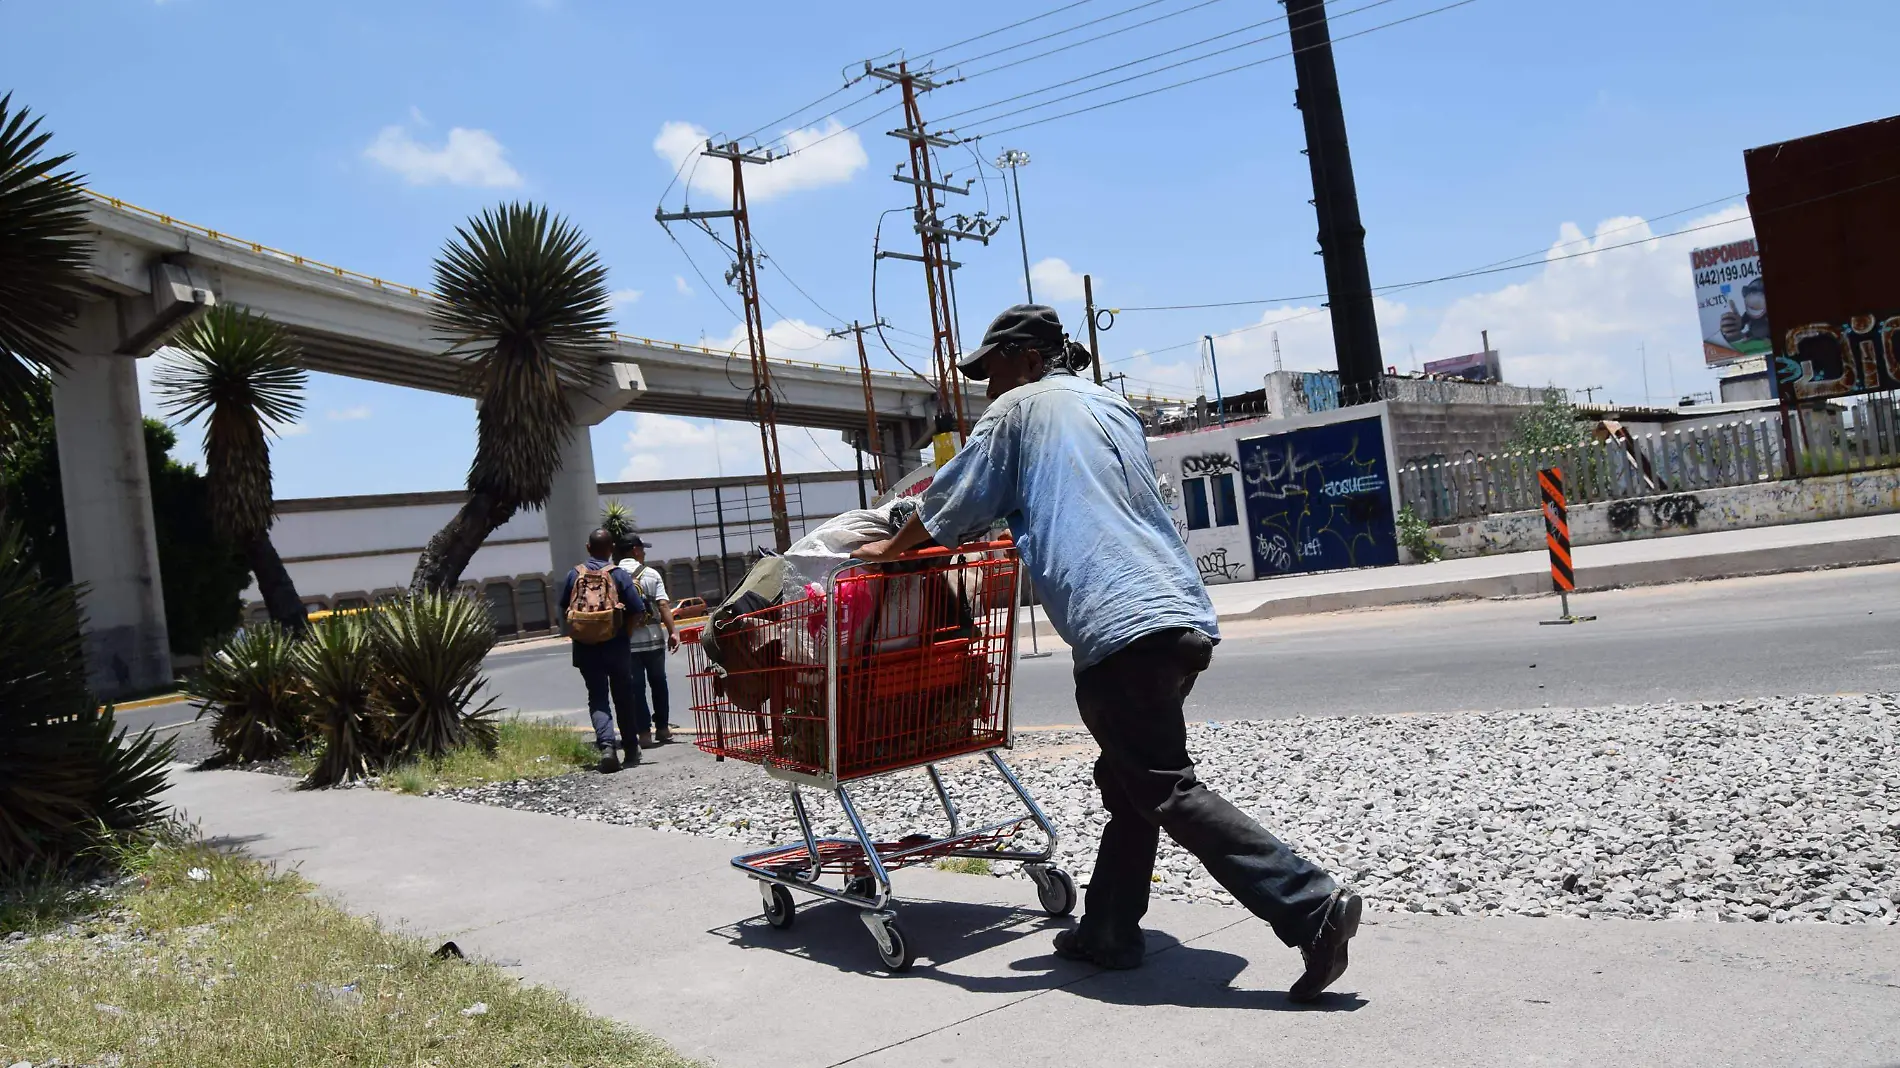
x=649 y=671
x=1132 y=703
x=607 y=670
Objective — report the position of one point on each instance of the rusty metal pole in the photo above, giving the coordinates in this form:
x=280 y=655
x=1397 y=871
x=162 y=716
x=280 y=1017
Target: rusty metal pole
x=764 y=404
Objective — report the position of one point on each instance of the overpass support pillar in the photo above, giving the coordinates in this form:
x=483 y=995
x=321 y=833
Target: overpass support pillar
x=108 y=502
x=574 y=503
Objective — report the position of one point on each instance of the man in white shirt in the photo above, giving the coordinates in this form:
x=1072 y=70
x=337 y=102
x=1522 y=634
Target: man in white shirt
x=652 y=640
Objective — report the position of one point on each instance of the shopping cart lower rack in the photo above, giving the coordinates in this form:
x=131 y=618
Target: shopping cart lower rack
x=881 y=669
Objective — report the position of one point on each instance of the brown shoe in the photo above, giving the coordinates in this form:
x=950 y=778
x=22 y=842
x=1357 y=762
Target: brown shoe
x=647 y=742
x=1326 y=954
x=663 y=735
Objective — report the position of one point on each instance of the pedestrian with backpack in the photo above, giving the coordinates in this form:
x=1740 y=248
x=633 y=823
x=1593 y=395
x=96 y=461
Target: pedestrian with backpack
x=1065 y=463
x=598 y=600
x=650 y=637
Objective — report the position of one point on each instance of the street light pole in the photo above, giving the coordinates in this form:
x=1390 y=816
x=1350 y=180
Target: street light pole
x=1220 y=405
x=1013 y=159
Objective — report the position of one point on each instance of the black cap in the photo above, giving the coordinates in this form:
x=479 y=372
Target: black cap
x=631 y=541
x=1030 y=325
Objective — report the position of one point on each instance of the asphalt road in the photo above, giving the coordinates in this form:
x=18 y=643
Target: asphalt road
x=1817 y=632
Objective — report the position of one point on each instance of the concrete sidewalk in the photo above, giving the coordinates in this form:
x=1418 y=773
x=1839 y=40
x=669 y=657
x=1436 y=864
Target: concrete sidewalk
x=1645 y=562
x=655 y=929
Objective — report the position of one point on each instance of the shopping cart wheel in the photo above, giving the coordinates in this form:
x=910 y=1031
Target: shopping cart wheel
x=891 y=946
x=1055 y=890
x=780 y=909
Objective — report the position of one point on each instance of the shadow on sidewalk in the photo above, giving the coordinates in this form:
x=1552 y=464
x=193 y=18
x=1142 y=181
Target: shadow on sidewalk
x=946 y=933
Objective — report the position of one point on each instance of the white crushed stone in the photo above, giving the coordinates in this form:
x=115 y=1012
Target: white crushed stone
x=1782 y=810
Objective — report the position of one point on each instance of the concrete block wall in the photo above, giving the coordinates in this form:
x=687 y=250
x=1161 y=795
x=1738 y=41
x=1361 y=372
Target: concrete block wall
x=1423 y=430
x=1762 y=504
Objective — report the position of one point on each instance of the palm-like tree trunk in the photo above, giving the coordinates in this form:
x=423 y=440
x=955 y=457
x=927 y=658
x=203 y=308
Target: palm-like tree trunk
x=446 y=556
x=274 y=582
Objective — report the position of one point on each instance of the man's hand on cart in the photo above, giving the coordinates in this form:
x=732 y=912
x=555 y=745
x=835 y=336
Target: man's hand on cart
x=908 y=537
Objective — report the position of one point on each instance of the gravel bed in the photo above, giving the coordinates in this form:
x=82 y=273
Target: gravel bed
x=1782 y=810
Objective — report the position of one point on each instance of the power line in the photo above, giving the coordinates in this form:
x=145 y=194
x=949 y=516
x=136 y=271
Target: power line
x=1058 y=33
x=1113 y=33
x=1003 y=29
x=1544 y=252
x=1197 y=78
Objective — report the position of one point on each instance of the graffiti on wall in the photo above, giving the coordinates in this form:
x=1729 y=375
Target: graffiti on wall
x=1675 y=511
x=1207 y=463
x=1215 y=567
x=1319 y=498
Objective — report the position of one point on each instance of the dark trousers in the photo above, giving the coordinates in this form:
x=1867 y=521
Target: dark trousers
x=1132 y=703
x=608 y=673
x=649 y=671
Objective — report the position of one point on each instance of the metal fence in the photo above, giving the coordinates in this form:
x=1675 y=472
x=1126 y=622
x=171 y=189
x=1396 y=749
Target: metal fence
x=1629 y=465
x=1863 y=434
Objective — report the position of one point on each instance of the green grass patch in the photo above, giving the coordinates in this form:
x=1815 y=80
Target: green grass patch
x=212 y=959
x=525 y=749
x=965 y=865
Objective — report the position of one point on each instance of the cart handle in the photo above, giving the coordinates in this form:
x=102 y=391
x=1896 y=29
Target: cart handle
x=934 y=551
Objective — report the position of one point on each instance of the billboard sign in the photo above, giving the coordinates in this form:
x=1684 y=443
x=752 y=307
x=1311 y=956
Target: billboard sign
x=1319 y=498
x=1730 y=303
x=1833 y=360
x=1476 y=367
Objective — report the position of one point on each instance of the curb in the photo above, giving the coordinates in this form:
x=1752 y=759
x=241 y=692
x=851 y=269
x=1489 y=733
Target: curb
x=1739 y=564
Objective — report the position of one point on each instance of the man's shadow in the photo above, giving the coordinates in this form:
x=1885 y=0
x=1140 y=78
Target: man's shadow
x=947 y=932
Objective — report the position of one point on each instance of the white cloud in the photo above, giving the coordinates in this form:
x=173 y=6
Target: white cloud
x=293 y=430
x=1054 y=279
x=794 y=339
x=624 y=297
x=1570 y=322
x=670 y=446
x=680 y=286
x=348 y=415
x=822 y=155
x=468 y=157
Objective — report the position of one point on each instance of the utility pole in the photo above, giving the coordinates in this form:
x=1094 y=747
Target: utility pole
x=1590 y=393
x=1642 y=353
x=1013 y=160
x=936 y=237
x=744 y=276
x=1095 y=350
x=1220 y=405
x=1276 y=350
x=1342 y=238
x=870 y=408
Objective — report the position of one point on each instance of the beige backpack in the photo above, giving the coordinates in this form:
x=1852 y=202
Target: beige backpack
x=594 y=615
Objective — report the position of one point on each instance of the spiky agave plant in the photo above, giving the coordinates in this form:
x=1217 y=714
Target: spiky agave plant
x=44 y=255
x=239 y=372
x=66 y=770
x=429 y=650
x=617 y=519
x=524 y=300
x=337 y=661
x=250 y=689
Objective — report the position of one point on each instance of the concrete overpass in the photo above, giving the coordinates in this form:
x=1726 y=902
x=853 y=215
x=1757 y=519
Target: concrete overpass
x=152 y=272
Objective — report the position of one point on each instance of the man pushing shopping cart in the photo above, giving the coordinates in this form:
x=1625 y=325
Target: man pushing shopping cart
x=1065 y=463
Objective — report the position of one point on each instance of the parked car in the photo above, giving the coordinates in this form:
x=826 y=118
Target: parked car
x=690 y=608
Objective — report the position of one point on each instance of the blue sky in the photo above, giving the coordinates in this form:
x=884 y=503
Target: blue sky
x=361 y=133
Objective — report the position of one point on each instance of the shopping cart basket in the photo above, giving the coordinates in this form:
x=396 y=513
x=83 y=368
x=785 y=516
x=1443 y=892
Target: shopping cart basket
x=884 y=668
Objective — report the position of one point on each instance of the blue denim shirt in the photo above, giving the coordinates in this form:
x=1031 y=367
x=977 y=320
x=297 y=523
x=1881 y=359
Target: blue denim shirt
x=1065 y=462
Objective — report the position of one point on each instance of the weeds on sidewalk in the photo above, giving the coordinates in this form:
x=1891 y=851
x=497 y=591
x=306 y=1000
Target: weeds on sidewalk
x=206 y=958
x=524 y=749
x=965 y=865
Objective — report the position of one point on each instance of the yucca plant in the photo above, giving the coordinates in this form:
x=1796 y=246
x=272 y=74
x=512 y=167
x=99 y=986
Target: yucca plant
x=524 y=300
x=617 y=519
x=67 y=774
x=429 y=649
x=251 y=689
x=239 y=372
x=44 y=255
x=336 y=659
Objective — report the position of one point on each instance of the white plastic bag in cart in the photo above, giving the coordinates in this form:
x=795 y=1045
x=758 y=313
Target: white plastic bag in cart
x=812 y=558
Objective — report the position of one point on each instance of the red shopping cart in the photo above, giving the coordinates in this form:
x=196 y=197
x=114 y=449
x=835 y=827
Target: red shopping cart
x=884 y=668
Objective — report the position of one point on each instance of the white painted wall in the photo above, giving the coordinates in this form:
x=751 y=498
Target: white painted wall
x=1220 y=552
x=348 y=544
